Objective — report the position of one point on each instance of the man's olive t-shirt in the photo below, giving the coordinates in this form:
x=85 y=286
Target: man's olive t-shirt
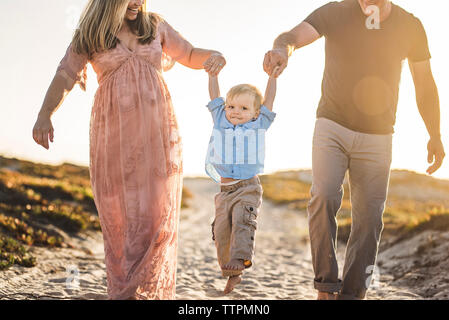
x=363 y=66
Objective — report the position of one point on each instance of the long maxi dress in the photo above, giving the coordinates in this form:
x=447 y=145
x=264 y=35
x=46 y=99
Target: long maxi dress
x=135 y=163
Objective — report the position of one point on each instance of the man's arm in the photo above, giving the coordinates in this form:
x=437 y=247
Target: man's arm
x=284 y=45
x=429 y=107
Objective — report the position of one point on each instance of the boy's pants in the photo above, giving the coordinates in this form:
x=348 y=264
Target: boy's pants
x=337 y=149
x=236 y=210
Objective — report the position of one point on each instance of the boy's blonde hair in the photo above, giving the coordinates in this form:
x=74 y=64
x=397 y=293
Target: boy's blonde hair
x=246 y=88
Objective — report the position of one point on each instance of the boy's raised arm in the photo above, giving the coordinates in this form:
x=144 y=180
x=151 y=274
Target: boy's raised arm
x=270 y=92
x=214 y=88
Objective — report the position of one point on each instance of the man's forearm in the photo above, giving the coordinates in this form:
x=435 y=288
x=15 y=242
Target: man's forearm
x=285 y=41
x=300 y=36
x=429 y=109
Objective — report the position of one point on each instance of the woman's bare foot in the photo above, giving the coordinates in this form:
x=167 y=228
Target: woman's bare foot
x=234 y=264
x=232 y=282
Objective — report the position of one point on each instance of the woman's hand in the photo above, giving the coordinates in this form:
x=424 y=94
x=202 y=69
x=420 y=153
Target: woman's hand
x=214 y=64
x=42 y=130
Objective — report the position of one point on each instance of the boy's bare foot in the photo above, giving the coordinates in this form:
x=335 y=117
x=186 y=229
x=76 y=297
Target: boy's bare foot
x=234 y=264
x=232 y=282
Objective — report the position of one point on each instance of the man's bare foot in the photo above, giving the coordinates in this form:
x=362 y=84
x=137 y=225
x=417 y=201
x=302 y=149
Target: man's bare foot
x=326 y=296
x=232 y=282
x=342 y=296
x=234 y=264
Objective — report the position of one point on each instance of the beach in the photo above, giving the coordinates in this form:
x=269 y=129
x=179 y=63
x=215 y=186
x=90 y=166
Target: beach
x=412 y=269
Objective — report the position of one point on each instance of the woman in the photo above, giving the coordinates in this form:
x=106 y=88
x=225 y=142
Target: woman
x=135 y=148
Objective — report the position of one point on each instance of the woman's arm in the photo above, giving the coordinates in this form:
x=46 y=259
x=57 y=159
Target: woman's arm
x=58 y=90
x=60 y=86
x=214 y=88
x=210 y=60
x=181 y=50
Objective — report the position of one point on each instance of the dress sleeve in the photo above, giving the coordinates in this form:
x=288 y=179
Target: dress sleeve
x=173 y=44
x=74 y=66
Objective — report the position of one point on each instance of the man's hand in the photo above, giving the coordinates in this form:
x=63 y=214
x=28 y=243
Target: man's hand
x=275 y=58
x=435 y=154
x=284 y=45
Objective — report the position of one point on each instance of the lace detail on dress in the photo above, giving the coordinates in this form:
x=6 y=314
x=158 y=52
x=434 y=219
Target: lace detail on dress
x=157 y=277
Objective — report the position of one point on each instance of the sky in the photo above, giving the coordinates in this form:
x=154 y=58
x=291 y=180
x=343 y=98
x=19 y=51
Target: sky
x=35 y=35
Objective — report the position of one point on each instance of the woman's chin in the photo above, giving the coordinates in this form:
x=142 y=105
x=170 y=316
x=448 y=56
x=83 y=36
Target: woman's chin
x=131 y=17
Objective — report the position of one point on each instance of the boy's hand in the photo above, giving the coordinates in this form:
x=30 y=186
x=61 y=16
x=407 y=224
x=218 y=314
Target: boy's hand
x=214 y=64
x=276 y=72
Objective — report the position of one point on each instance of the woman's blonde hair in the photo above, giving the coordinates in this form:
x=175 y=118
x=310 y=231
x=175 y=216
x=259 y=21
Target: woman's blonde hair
x=246 y=88
x=101 y=21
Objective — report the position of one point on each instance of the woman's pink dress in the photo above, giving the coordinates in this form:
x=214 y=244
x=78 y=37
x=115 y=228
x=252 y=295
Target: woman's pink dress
x=135 y=163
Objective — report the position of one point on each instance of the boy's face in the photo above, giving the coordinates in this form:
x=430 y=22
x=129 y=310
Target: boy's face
x=240 y=109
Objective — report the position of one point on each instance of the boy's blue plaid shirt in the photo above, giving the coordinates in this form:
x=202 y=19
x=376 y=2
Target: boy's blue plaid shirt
x=236 y=151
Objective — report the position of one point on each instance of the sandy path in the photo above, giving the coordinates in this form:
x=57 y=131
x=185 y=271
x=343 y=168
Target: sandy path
x=279 y=257
x=282 y=265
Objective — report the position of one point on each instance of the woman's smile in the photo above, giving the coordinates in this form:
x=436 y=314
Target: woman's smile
x=133 y=11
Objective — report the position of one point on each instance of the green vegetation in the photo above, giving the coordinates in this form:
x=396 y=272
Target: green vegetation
x=12 y=252
x=38 y=203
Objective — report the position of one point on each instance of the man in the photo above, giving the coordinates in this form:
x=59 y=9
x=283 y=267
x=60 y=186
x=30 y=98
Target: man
x=366 y=42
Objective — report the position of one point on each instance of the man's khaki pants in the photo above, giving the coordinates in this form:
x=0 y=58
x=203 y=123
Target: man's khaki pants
x=233 y=230
x=367 y=157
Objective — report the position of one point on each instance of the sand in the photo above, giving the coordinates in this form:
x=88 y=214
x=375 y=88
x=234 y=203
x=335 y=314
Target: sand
x=412 y=269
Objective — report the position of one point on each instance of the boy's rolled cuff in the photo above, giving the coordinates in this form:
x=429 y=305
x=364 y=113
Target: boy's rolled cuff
x=216 y=103
x=267 y=112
